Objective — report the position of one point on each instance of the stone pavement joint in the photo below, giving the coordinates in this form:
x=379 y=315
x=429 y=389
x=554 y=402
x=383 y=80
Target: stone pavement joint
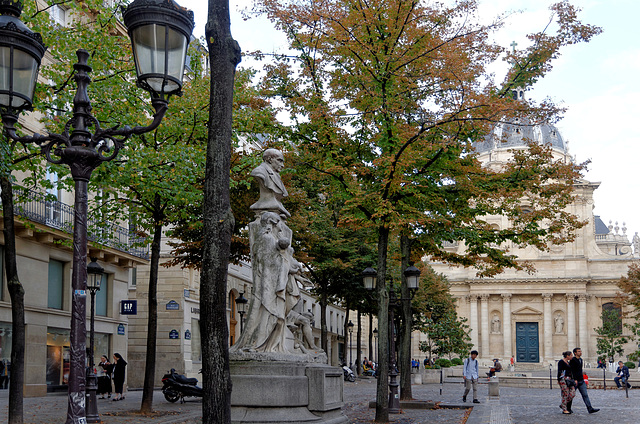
x=500 y=414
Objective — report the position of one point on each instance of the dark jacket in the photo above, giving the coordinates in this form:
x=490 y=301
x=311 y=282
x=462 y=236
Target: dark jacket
x=119 y=370
x=624 y=370
x=576 y=369
x=565 y=368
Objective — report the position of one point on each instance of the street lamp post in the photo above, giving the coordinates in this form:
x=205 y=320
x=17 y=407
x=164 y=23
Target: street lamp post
x=375 y=339
x=241 y=304
x=350 y=328
x=412 y=275
x=160 y=31
x=94 y=272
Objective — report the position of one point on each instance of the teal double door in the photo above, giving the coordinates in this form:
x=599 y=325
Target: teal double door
x=527 y=342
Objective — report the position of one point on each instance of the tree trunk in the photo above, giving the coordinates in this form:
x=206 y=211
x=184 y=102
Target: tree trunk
x=16 y=292
x=224 y=55
x=359 y=343
x=152 y=324
x=324 y=344
x=405 y=330
x=382 y=389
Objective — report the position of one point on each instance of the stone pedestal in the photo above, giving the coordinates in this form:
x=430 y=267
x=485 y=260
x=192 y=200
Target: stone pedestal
x=285 y=391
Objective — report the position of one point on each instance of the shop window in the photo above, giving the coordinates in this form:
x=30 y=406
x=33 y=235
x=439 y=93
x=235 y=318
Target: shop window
x=2 y=273
x=5 y=346
x=100 y=347
x=56 y=284
x=57 y=358
x=196 y=349
x=102 y=297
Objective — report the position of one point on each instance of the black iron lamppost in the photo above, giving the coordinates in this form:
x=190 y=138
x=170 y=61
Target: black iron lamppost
x=241 y=304
x=412 y=275
x=375 y=346
x=94 y=272
x=350 y=329
x=160 y=31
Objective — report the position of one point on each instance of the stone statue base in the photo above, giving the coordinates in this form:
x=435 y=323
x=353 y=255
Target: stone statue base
x=285 y=391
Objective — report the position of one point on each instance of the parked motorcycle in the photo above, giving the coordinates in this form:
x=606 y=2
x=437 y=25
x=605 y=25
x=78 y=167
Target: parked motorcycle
x=177 y=386
x=348 y=373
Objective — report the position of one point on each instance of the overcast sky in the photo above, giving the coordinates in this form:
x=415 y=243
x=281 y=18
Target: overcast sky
x=595 y=81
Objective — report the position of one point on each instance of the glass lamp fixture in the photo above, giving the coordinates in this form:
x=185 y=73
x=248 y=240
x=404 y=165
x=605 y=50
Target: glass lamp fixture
x=21 y=52
x=160 y=31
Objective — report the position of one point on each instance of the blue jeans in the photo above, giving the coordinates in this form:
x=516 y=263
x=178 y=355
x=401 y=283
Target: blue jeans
x=582 y=388
x=623 y=379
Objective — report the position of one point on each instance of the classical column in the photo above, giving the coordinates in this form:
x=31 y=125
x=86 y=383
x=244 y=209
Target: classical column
x=484 y=325
x=506 y=326
x=548 y=327
x=582 y=324
x=473 y=319
x=571 y=321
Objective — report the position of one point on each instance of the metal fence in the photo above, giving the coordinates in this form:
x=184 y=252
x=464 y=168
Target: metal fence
x=35 y=207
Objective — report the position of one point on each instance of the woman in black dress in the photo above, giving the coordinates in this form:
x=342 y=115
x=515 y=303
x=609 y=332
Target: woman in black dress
x=564 y=374
x=118 y=375
x=104 y=376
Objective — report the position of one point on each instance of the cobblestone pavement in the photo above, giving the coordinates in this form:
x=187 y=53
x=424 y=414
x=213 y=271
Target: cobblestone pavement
x=515 y=405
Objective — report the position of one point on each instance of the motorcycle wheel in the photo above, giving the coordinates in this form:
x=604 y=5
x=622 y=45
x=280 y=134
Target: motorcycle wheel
x=351 y=378
x=171 y=396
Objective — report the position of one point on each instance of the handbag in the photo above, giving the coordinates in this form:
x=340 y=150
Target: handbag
x=570 y=382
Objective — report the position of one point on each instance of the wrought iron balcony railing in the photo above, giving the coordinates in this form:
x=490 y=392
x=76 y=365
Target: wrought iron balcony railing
x=35 y=207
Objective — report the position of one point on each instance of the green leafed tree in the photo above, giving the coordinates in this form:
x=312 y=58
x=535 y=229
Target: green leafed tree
x=610 y=340
x=436 y=316
x=386 y=97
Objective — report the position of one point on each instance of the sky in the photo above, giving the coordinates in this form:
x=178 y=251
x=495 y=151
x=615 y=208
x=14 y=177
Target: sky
x=594 y=81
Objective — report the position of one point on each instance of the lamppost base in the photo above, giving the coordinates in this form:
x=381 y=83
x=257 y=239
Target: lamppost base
x=91 y=400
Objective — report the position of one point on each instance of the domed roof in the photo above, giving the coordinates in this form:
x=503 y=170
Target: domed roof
x=518 y=133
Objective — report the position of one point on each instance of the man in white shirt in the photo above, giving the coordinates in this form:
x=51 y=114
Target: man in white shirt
x=470 y=376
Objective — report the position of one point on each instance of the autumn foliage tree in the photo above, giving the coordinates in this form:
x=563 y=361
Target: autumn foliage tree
x=387 y=97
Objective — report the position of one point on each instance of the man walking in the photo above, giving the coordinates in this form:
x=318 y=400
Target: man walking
x=470 y=376
x=576 y=371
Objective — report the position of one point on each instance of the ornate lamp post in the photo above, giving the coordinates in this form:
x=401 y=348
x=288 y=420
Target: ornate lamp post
x=160 y=32
x=94 y=272
x=412 y=275
x=241 y=304
x=350 y=329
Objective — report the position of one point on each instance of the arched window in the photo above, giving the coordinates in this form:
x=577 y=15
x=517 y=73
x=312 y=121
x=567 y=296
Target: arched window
x=232 y=318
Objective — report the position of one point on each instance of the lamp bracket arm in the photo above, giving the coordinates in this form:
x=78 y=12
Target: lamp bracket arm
x=124 y=133
x=119 y=135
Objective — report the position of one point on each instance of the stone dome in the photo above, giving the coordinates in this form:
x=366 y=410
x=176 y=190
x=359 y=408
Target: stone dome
x=518 y=133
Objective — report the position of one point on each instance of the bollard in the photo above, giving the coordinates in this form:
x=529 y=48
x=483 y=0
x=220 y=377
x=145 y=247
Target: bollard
x=604 y=379
x=494 y=387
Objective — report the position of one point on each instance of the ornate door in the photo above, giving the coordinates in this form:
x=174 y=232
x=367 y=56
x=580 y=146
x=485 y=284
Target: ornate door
x=527 y=342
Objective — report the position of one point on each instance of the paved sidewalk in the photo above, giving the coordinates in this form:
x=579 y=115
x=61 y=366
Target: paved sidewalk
x=515 y=406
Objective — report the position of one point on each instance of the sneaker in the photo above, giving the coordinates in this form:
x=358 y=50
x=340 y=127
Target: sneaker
x=593 y=410
x=476 y=401
x=464 y=398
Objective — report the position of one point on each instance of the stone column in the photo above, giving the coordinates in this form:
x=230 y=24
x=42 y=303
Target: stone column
x=484 y=325
x=571 y=321
x=548 y=327
x=473 y=319
x=506 y=326
x=582 y=323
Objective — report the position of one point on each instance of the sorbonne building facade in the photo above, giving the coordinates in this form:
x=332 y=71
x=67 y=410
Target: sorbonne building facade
x=535 y=317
